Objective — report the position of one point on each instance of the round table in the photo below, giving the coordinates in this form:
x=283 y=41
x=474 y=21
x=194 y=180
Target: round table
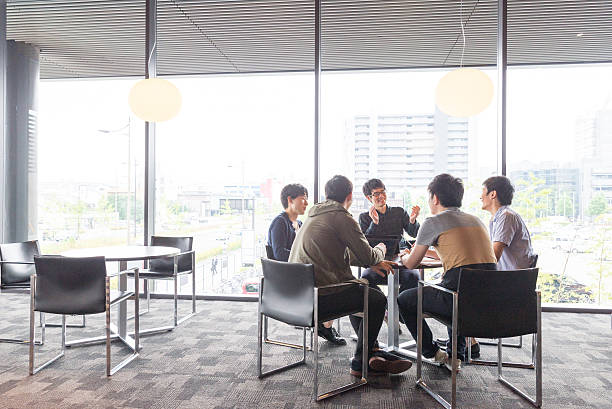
x=122 y=254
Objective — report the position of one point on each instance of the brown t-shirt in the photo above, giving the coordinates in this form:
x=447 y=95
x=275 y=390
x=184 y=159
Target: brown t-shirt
x=459 y=238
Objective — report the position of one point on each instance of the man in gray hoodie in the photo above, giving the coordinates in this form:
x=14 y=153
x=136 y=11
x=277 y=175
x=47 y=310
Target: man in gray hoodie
x=331 y=240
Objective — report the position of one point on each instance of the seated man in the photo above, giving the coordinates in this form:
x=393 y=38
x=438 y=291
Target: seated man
x=294 y=198
x=331 y=240
x=460 y=240
x=508 y=232
x=383 y=220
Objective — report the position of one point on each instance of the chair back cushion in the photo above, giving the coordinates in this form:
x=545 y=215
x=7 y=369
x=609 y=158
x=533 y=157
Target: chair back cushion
x=497 y=304
x=270 y=252
x=288 y=292
x=70 y=285
x=13 y=274
x=166 y=264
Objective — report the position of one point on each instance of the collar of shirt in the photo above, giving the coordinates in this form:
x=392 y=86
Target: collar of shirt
x=499 y=212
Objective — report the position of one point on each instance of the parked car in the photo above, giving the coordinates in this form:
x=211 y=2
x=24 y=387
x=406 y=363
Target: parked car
x=250 y=285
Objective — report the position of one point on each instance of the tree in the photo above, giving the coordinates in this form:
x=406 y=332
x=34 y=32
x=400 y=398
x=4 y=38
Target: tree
x=598 y=205
x=226 y=208
x=531 y=198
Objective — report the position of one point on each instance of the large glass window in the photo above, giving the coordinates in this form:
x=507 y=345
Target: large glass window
x=90 y=167
x=559 y=150
x=386 y=125
x=221 y=164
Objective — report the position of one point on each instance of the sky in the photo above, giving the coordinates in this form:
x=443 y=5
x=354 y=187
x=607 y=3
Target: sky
x=248 y=128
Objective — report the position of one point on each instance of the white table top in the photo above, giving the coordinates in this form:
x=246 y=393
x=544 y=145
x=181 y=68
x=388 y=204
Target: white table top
x=124 y=253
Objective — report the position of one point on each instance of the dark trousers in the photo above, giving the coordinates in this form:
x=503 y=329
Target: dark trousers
x=350 y=300
x=436 y=302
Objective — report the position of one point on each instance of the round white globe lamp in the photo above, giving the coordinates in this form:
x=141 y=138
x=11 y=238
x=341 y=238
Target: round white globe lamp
x=155 y=100
x=464 y=92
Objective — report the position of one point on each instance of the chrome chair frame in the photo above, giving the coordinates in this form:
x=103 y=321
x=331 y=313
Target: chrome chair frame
x=109 y=303
x=176 y=321
x=500 y=364
x=314 y=330
x=268 y=340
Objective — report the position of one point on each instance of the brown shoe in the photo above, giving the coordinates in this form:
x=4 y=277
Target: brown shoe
x=398 y=366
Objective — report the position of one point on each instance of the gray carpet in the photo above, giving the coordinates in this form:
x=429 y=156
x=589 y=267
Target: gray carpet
x=209 y=362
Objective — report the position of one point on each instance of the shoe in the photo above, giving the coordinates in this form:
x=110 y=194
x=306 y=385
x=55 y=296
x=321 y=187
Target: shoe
x=475 y=351
x=391 y=366
x=356 y=370
x=449 y=366
x=331 y=335
x=440 y=357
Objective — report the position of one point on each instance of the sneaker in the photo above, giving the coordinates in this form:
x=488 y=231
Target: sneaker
x=440 y=357
x=449 y=366
x=331 y=335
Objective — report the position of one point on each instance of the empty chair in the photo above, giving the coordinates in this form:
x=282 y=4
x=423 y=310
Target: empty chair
x=78 y=285
x=488 y=304
x=287 y=293
x=170 y=268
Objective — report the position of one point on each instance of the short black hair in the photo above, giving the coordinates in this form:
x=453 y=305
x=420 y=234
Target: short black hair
x=371 y=185
x=448 y=189
x=293 y=190
x=503 y=187
x=338 y=188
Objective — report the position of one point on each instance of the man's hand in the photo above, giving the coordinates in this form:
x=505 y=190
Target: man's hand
x=374 y=214
x=415 y=213
x=382 y=247
x=384 y=267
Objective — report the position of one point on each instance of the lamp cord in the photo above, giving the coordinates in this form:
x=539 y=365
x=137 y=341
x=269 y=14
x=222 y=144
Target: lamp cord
x=462 y=31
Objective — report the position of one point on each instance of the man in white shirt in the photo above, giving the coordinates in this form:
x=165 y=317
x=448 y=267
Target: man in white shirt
x=509 y=234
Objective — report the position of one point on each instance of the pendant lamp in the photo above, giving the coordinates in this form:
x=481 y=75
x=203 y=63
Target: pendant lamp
x=464 y=92
x=155 y=100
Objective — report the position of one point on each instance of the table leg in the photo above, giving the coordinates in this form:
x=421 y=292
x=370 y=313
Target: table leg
x=122 y=319
x=393 y=325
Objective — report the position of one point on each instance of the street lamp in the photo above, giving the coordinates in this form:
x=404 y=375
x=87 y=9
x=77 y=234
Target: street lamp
x=125 y=130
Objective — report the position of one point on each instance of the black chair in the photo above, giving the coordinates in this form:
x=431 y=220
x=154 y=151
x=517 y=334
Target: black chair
x=171 y=268
x=287 y=293
x=519 y=344
x=16 y=267
x=78 y=286
x=488 y=304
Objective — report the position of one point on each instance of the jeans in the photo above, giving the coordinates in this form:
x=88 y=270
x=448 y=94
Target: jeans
x=350 y=300
x=436 y=302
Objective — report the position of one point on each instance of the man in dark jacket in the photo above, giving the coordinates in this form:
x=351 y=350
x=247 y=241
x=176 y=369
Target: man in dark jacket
x=384 y=220
x=294 y=198
x=332 y=241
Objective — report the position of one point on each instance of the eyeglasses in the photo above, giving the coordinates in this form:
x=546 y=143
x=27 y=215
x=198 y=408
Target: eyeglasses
x=376 y=194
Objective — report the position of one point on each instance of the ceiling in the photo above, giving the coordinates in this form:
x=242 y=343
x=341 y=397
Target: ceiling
x=105 y=38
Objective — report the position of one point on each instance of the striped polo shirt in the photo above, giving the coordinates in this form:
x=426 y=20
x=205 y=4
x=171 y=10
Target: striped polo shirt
x=459 y=238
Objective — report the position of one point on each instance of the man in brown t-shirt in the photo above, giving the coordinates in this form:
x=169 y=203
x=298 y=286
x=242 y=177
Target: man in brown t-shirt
x=461 y=240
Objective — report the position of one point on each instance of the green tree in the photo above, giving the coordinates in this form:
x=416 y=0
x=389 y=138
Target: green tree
x=598 y=205
x=226 y=208
x=531 y=198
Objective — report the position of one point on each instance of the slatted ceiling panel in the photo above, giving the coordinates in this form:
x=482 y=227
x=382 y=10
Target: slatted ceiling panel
x=97 y=38
x=247 y=35
x=409 y=33
x=545 y=31
x=94 y=38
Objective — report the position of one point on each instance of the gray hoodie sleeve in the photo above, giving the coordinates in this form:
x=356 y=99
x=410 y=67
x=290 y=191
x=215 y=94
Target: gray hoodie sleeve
x=360 y=251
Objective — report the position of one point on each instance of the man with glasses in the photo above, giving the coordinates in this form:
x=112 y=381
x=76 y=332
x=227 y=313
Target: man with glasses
x=384 y=220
